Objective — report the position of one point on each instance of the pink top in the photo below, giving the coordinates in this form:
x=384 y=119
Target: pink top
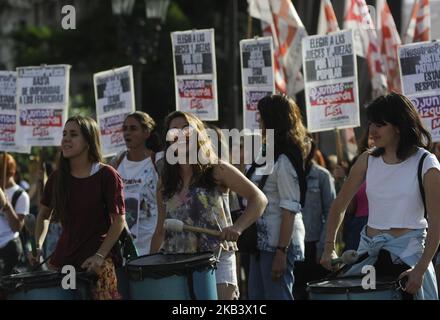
x=362 y=201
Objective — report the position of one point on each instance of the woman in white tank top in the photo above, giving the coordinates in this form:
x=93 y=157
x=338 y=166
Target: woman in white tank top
x=396 y=223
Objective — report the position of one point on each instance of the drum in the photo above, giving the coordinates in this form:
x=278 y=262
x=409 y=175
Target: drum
x=172 y=277
x=350 y=288
x=45 y=285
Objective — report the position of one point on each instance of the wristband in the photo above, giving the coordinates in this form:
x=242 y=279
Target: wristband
x=100 y=255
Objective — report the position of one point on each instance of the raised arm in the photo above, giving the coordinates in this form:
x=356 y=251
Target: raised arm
x=230 y=177
x=337 y=210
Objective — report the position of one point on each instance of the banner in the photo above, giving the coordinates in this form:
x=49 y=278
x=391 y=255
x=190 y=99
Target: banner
x=195 y=73
x=257 y=74
x=331 y=89
x=8 y=113
x=419 y=65
x=114 y=95
x=42 y=102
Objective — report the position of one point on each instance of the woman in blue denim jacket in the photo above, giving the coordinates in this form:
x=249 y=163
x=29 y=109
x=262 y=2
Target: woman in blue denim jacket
x=319 y=197
x=280 y=230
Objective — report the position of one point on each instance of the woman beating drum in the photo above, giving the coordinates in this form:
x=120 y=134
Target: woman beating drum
x=395 y=239
x=193 y=193
x=86 y=196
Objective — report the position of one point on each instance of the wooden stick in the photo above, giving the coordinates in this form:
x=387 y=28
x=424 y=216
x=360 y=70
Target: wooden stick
x=249 y=27
x=214 y=233
x=339 y=148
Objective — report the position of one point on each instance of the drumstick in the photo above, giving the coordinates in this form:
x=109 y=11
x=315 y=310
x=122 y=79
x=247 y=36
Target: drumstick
x=348 y=257
x=179 y=226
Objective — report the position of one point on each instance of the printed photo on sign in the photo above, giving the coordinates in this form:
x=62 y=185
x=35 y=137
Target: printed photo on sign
x=192 y=53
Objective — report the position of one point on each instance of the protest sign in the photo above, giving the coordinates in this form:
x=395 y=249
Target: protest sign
x=195 y=73
x=42 y=102
x=331 y=88
x=257 y=74
x=114 y=95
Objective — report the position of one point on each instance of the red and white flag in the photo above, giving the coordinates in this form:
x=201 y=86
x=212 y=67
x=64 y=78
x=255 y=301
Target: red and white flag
x=366 y=42
x=280 y=19
x=419 y=26
x=389 y=39
x=327 y=21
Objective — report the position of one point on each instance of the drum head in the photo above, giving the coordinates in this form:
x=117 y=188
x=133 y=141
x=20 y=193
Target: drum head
x=348 y=284
x=164 y=265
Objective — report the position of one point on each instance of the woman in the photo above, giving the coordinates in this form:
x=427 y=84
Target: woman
x=191 y=191
x=395 y=238
x=87 y=198
x=280 y=231
x=14 y=206
x=136 y=167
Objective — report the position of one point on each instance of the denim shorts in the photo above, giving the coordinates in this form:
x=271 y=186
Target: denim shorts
x=226 y=271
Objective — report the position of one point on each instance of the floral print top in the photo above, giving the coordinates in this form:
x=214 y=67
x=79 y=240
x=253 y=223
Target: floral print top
x=200 y=208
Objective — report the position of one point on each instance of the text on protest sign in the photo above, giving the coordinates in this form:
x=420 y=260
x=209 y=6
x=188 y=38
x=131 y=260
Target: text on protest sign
x=330 y=82
x=195 y=73
x=114 y=94
x=43 y=98
x=257 y=74
x=420 y=74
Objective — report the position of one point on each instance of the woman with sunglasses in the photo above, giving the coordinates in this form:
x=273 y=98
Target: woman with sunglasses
x=395 y=240
x=191 y=189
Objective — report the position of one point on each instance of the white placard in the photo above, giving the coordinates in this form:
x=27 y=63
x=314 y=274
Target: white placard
x=195 y=73
x=331 y=88
x=419 y=65
x=257 y=75
x=8 y=113
x=114 y=96
x=42 y=102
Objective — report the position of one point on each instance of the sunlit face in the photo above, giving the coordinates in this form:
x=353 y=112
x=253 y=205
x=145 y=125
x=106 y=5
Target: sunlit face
x=134 y=134
x=73 y=143
x=384 y=135
x=180 y=132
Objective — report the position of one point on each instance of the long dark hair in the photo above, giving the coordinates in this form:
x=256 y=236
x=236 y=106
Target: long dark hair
x=61 y=190
x=398 y=110
x=202 y=173
x=281 y=114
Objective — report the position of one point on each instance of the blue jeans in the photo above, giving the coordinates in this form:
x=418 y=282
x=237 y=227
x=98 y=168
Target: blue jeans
x=260 y=284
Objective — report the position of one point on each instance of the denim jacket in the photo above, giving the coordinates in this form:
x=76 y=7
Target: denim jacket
x=282 y=192
x=319 y=197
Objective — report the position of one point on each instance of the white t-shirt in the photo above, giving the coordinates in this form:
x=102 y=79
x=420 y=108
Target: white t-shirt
x=140 y=183
x=21 y=207
x=394 y=199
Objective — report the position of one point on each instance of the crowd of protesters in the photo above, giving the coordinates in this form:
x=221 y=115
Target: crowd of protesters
x=296 y=210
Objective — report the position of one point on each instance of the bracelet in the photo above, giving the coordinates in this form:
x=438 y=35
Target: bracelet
x=100 y=255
